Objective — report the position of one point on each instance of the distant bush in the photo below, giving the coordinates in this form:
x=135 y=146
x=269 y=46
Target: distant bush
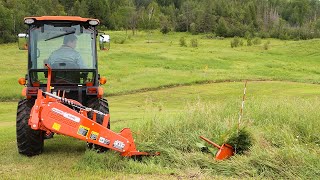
x=5 y=37
x=284 y=36
x=248 y=35
x=220 y=38
x=165 y=29
x=103 y=28
x=256 y=41
x=236 y=42
x=194 y=43
x=183 y=42
x=249 y=42
x=193 y=28
x=209 y=36
x=266 y=45
x=120 y=40
x=264 y=34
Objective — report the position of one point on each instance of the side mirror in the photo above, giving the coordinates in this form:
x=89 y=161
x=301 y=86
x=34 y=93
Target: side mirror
x=23 y=41
x=104 y=42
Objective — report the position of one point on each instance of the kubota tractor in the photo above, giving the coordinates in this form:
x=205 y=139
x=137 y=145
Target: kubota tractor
x=62 y=87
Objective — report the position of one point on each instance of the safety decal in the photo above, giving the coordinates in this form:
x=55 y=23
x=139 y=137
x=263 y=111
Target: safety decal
x=56 y=126
x=94 y=135
x=83 y=131
x=104 y=140
x=118 y=144
x=66 y=115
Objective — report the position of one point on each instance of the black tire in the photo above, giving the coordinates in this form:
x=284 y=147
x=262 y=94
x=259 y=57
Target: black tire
x=102 y=106
x=48 y=136
x=29 y=141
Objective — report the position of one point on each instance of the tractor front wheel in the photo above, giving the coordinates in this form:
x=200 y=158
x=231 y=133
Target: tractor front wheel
x=29 y=141
x=102 y=106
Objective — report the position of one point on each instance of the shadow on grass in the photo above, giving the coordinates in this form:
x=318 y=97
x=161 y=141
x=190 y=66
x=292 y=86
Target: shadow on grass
x=64 y=145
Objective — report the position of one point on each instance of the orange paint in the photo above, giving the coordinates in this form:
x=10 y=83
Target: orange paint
x=22 y=81
x=24 y=92
x=51 y=114
x=100 y=92
x=225 y=151
x=61 y=18
x=103 y=80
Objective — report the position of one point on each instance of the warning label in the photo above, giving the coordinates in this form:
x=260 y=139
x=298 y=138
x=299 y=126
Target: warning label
x=83 y=131
x=66 y=115
x=104 y=140
x=94 y=135
x=118 y=144
x=56 y=126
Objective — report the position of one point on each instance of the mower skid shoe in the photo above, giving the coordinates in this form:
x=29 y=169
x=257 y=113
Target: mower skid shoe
x=132 y=151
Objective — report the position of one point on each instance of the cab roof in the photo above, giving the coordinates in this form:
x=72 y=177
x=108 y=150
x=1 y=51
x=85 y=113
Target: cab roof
x=61 y=18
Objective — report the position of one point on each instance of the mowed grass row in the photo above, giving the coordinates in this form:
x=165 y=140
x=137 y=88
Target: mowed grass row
x=283 y=119
x=152 y=60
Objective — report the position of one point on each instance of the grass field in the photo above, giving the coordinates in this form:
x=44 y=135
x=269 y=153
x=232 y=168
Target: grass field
x=166 y=94
x=137 y=65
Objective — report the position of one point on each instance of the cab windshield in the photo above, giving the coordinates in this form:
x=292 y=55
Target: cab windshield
x=68 y=49
x=48 y=45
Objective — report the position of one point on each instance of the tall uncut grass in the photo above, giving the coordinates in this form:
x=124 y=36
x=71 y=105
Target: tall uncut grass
x=286 y=141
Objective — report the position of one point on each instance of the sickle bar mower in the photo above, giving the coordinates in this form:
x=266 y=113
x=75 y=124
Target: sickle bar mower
x=60 y=115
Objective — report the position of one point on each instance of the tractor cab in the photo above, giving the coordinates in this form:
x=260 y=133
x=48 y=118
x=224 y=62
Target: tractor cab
x=68 y=45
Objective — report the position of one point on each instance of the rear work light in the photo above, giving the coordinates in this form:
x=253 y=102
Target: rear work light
x=29 y=21
x=93 y=22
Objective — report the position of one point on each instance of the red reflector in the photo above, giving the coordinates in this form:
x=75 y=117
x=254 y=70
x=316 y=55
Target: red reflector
x=32 y=91
x=89 y=83
x=36 y=84
x=92 y=90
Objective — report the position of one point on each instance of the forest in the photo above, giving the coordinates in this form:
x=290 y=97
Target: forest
x=282 y=19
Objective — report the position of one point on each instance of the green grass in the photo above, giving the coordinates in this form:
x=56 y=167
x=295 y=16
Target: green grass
x=137 y=64
x=284 y=125
x=166 y=95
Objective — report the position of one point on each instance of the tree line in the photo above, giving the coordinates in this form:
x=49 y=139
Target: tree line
x=283 y=19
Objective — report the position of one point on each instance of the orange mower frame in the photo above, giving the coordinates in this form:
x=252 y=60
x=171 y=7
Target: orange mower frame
x=51 y=113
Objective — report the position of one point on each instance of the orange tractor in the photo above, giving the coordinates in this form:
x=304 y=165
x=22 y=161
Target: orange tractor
x=62 y=87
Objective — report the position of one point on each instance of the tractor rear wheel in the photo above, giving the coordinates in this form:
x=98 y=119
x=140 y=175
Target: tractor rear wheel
x=29 y=141
x=102 y=106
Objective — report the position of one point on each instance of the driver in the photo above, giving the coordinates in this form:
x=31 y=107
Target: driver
x=66 y=56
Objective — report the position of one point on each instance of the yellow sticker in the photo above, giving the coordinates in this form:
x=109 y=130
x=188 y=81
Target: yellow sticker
x=56 y=126
x=83 y=131
x=94 y=135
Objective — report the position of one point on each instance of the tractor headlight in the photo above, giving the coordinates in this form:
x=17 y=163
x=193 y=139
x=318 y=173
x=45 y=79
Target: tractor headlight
x=93 y=22
x=29 y=21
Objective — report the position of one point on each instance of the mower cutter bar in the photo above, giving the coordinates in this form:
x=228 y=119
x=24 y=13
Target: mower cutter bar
x=72 y=103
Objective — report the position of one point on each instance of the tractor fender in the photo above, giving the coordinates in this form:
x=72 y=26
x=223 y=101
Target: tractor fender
x=24 y=92
x=100 y=92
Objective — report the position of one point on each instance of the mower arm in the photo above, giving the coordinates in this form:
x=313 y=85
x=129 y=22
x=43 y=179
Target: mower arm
x=51 y=115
